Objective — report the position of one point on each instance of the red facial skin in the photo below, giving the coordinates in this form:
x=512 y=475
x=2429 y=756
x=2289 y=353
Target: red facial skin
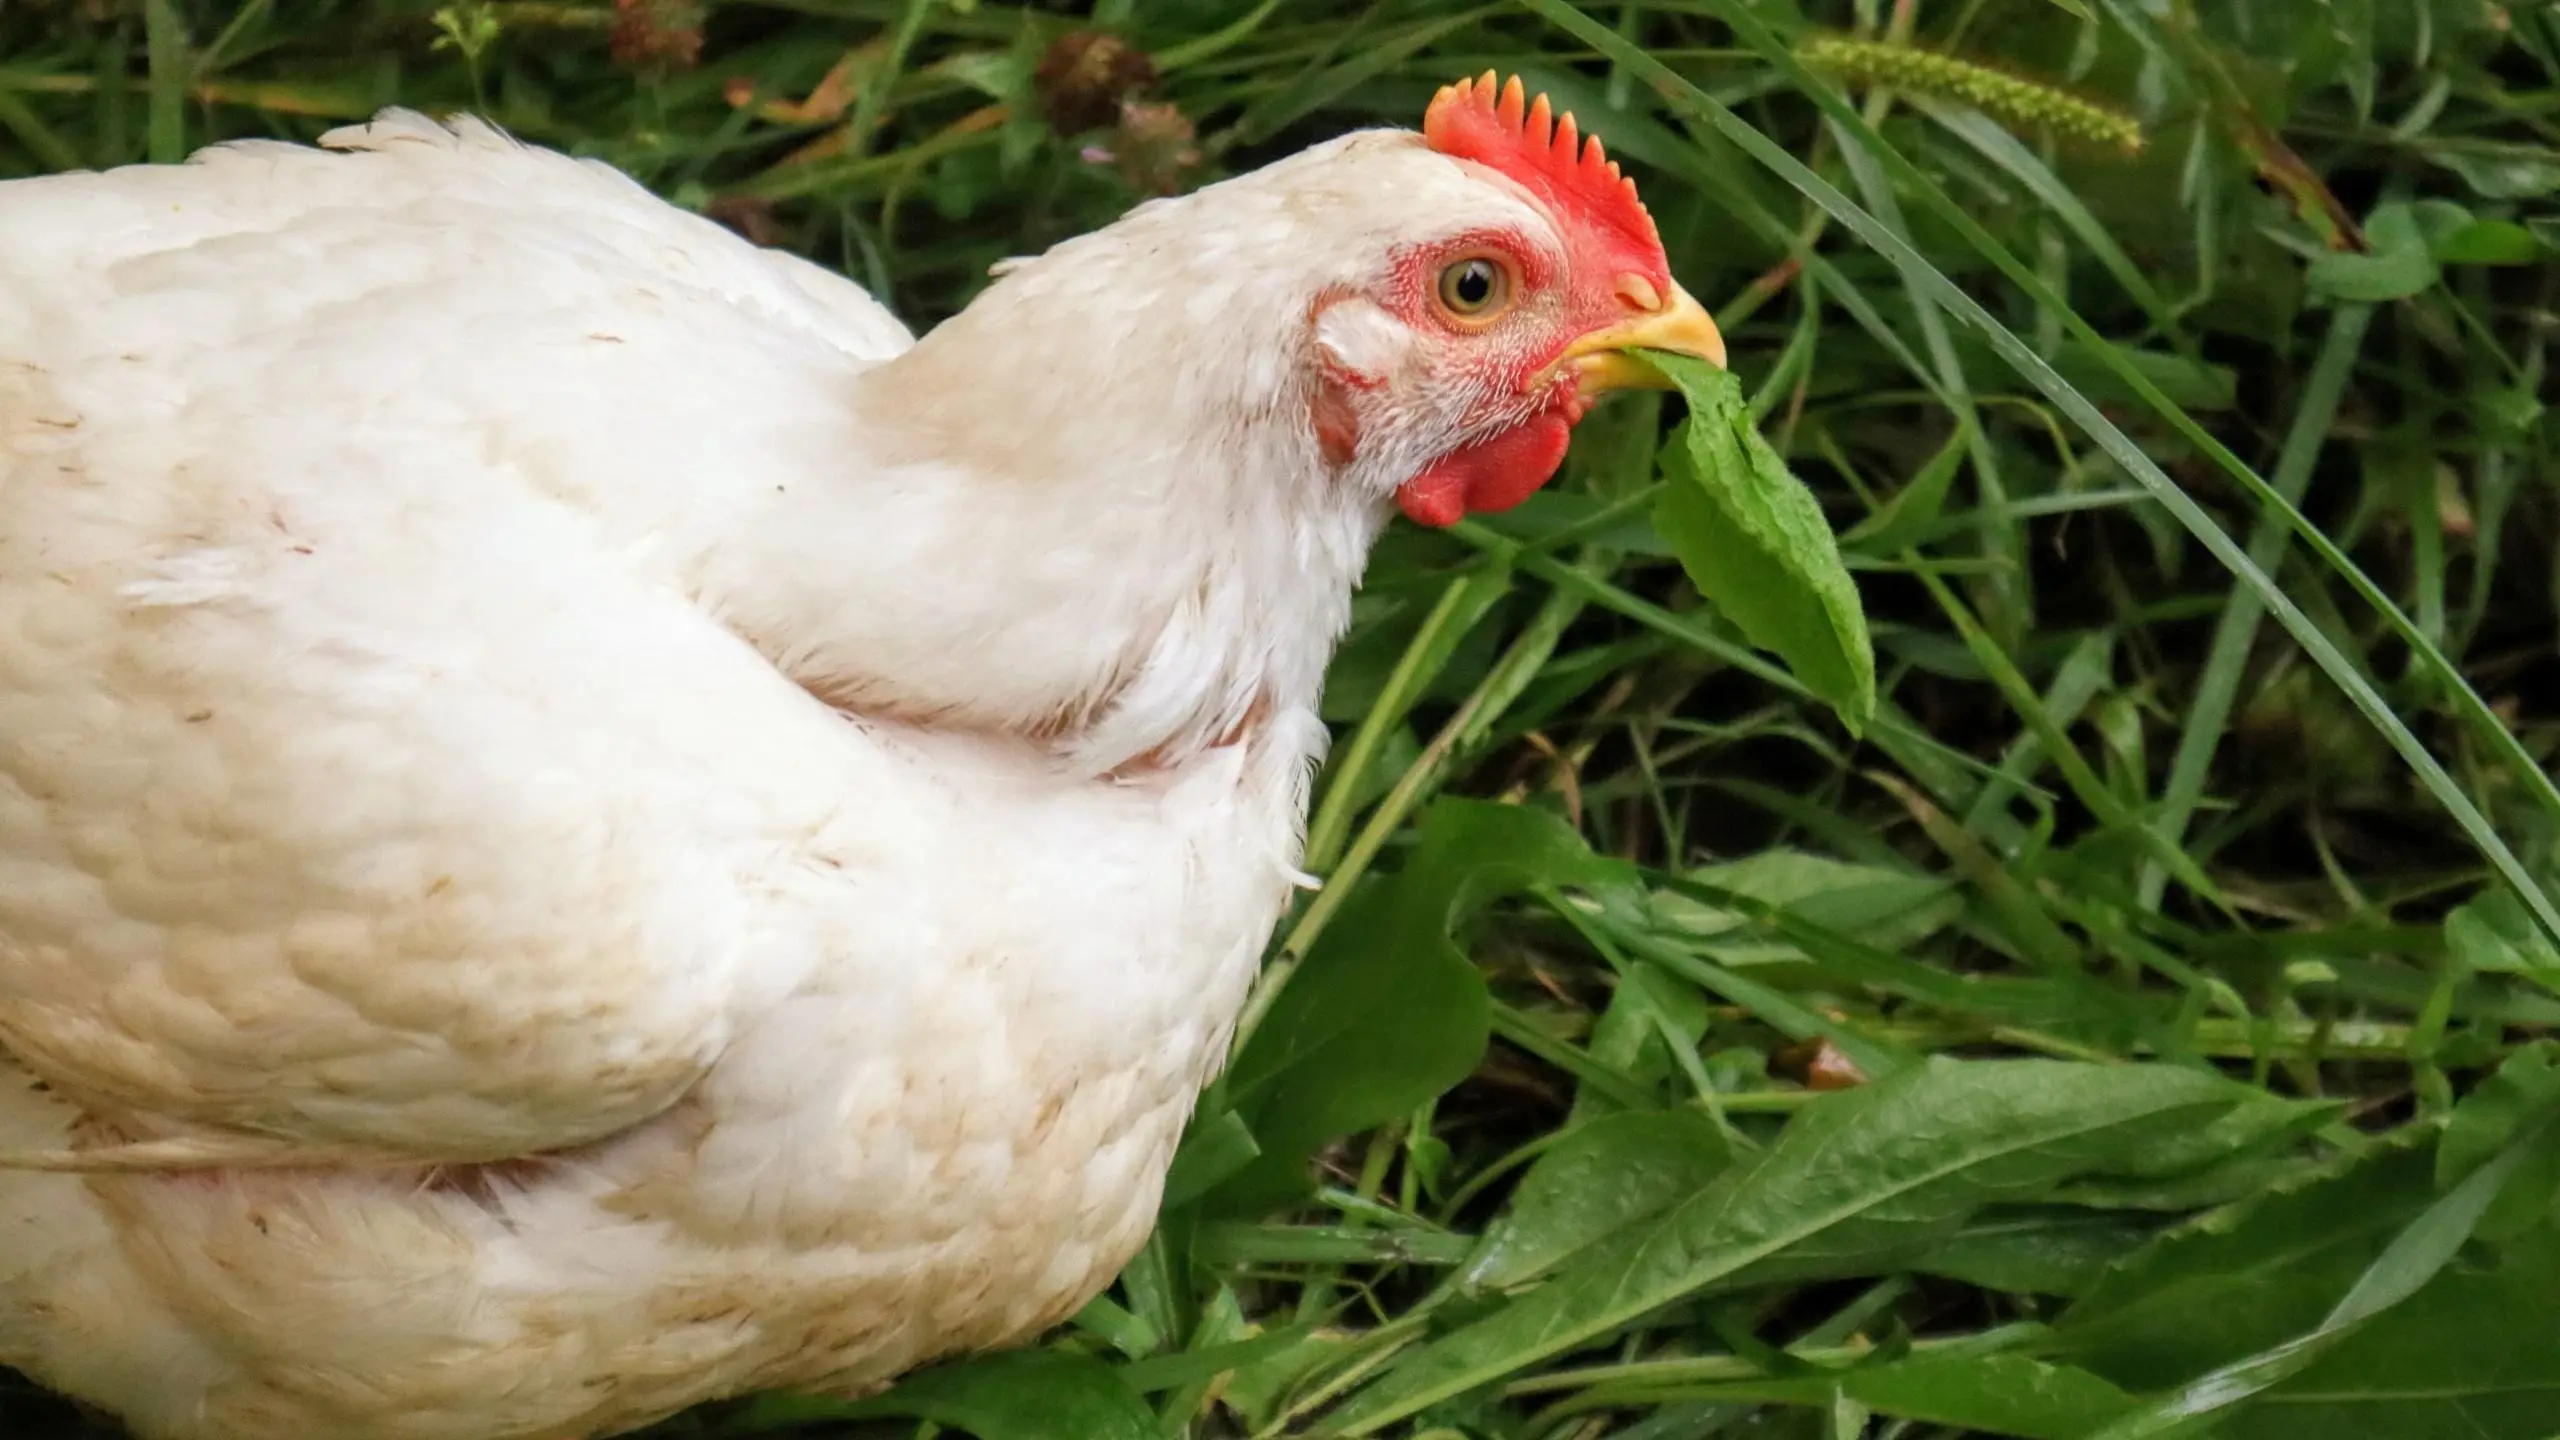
x=1489 y=476
x=1530 y=408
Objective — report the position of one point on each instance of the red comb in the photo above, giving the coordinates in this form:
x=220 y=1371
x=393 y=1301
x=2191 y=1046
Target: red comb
x=1527 y=141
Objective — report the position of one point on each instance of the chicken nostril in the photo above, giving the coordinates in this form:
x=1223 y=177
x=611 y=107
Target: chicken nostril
x=1639 y=293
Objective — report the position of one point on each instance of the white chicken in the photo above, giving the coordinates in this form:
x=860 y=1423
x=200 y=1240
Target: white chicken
x=585 y=825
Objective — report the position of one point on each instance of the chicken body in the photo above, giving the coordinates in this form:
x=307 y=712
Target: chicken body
x=585 y=824
x=374 y=779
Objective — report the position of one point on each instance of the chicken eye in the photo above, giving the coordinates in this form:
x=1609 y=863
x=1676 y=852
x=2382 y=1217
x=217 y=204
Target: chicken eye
x=1474 y=289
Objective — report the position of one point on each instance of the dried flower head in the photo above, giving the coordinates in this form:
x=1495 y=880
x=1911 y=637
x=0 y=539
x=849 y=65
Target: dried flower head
x=1156 y=146
x=657 y=34
x=1085 y=76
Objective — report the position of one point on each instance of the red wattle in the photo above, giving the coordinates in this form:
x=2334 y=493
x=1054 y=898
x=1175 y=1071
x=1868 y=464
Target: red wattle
x=1488 y=476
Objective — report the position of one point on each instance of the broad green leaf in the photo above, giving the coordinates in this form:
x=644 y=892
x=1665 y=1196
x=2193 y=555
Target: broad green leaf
x=1634 y=1035
x=1387 y=1012
x=2496 y=933
x=1859 y=1182
x=1012 y=1395
x=2437 y=221
x=2231 y=1182
x=2000 y=1394
x=1613 y=1172
x=2038 y=1251
x=2524 y=1092
x=2469 y=1357
x=2243 y=1278
x=1890 y=908
x=2489 y=242
x=1994 y=1394
x=2503 y=172
x=2257 y=1124
x=2398 y=266
x=2527 y=1083
x=2414 y=1259
x=1756 y=544
x=2454 y=236
x=2420 y=1252
x=1367 y=1029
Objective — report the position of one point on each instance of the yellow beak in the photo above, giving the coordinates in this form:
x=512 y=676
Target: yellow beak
x=1680 y=324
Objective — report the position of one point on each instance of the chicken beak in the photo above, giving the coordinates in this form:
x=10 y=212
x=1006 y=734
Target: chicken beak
x=1680 y=324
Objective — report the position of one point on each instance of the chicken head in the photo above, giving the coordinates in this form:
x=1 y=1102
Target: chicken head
x=1470 y=356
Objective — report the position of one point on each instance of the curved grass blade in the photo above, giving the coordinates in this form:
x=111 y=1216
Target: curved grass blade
x=2218 y=685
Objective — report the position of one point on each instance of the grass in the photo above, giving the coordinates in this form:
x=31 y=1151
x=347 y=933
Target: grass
x=2139 y=1030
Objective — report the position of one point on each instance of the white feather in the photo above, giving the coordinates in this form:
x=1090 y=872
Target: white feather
x=1364 y=339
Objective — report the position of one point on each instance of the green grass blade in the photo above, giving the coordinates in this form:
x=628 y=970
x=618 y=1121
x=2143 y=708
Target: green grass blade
x=2218 y=684
x=165 y=33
